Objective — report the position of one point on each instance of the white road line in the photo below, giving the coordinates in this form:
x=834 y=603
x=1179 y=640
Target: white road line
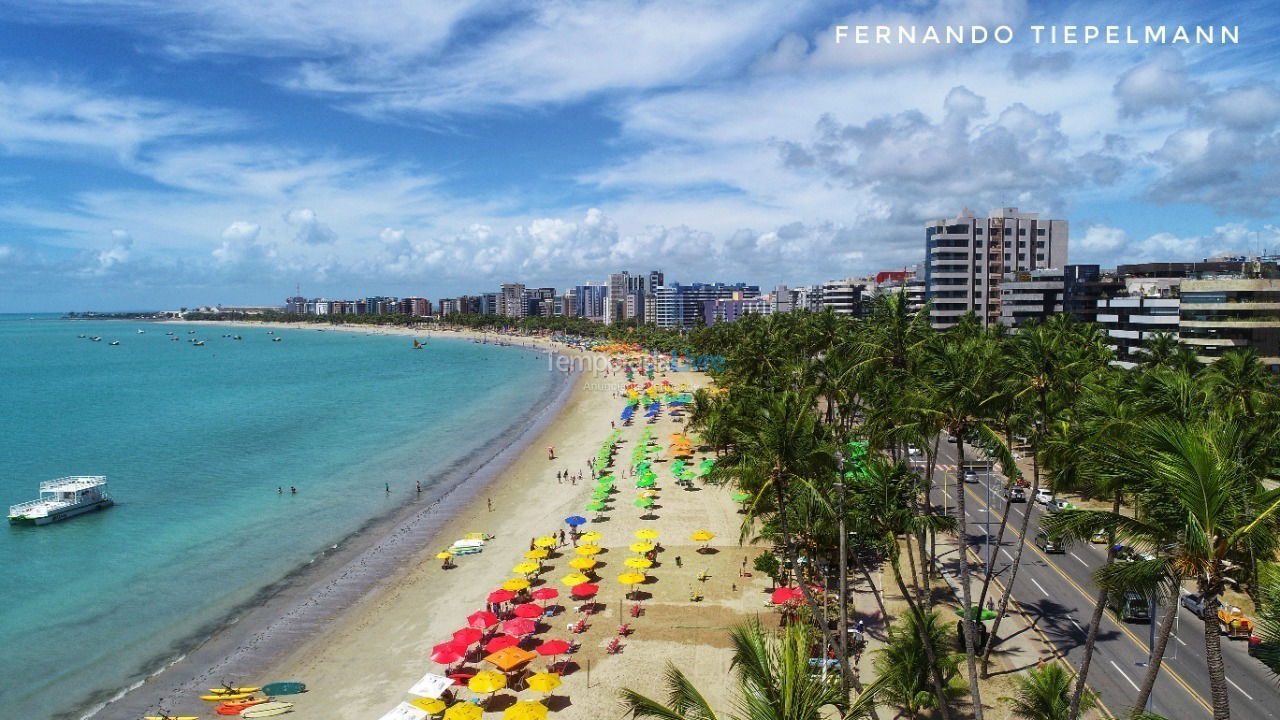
x=1180 y=641
x=1073 y=622
x=1242 y=692
x=1078 y=558
x=1006 y=554
x=1033 y=580
x=1126 y=677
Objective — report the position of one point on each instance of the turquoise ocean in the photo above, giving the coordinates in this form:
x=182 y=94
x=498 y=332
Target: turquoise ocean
x=194 y=442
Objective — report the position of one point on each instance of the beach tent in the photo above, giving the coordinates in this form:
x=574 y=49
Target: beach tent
x=404 y=711
x=430 y=685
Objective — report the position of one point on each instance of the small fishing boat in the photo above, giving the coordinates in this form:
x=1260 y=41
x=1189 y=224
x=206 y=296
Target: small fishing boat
x=417 y=345
x=275 y=339
x=191 y=332
x=284 y=688
x=237 y=337
x=95 y=338
x=114 y=342
x=270 y=709
x=198 y=343
x=80 y=336
x=142 y=332
x=61 y=499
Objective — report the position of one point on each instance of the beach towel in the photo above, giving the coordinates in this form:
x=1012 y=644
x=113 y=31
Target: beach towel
x=405 y=711
x=431 y=686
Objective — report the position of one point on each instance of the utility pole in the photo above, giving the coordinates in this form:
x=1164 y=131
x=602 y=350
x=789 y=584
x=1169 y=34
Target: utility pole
x=844 y=578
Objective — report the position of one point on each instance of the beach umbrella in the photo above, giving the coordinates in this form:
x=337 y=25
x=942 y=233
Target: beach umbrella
x=429 y=705
x=468 y=635
x=527 y=568
x=646 y=482
x=596 y=506
x=444 y=555
x=527 y=610
x=546 y=593
x=552 y=647
x=487 y=682
x=588 y=549
x=591 y=537
x=515 y=584
x=641 y=547
x=510 y=658
x=631 y=578
x=575 y=579
x=448 y=653
x=585 y=590
x=643 y=502
x=482 y=619
x=500 y=596
x=582 y=563
x=702 y=536
x=546 y=541
x=464 y=711
x=648 y=493
x=537 y=554
x=639 y=563
x=647 y=534
x=574 y=520
x=543 y=682
x=741 y=497
x=500 y=642
x=526 y=710
x=978 y=613
x=784 y=594
x=519 y=627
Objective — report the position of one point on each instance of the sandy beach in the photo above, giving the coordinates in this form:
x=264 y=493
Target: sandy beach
x=359 y=662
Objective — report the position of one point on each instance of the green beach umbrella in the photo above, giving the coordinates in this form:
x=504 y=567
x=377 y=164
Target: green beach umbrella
x=741 y=497
x=984 y=615
x=645 y=482
x=643 y=502
x=596 y=506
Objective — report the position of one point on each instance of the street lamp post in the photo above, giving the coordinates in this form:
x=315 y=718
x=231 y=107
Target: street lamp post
x=844 y=577
x=986 y=528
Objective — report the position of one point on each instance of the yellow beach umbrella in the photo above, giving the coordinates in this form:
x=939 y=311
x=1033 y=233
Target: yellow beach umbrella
x=647 y=534
x=546 y=541
x=575 y=579
x=487 y=681
x=638 y=563
x=648 y=493
x=588 y=549
x=429 y=706
x=582 y=563
x=631 y=578
x=527 y=568
x=444 y=555
x=543 y=682
x=641 y=547
x=464 y=711
x=591 y=537
x=538 y=554
x=703 y=536
x=527 y=710
x=515 y=584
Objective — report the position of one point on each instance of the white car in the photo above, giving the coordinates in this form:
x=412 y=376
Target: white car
x=1043 y=496
x=970 y=476
x=913 y=451
x=1195 y=603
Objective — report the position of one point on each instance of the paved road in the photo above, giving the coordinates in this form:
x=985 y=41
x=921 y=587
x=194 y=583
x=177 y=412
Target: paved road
x=1057 y=591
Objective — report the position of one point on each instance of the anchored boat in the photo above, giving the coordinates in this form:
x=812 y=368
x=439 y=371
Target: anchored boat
x=61 y=499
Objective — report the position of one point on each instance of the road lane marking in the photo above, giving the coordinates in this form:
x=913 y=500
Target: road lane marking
x=1073 y=622
x=1126 y=677
x=1006 y=554
x=1033 y=580
x=1078 y=558
x=1242 y=692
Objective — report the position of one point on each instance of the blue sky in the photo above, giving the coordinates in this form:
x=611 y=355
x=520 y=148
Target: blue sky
x=182 y=153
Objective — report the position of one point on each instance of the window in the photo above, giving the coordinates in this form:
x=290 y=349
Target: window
x=1022 y=231
x=1008 y=243
x=1040 y=257
x=1039 y=243
x=978 y=231
x=1008 y=231
x=1006 y=257
x=1040 y=231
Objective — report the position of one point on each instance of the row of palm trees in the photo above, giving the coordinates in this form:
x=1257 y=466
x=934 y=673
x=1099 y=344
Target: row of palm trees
x=1179 y=449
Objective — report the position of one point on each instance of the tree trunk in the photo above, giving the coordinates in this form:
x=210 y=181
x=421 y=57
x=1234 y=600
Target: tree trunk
x=1013 y=574
x=911 y=563
x=967 y=619
x=1157 y=655
x=1213 y=660
x=935 y=672
x=1100 y=606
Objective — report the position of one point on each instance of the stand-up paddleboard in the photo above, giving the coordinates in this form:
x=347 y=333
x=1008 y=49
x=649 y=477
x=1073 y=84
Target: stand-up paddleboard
x=270 y=709
x=284 y=688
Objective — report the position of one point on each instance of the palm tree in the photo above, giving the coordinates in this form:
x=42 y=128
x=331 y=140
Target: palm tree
x=774 y=682
x=1043 y=694
x=1241 y=381
x=904 y=664
x=1164 y=350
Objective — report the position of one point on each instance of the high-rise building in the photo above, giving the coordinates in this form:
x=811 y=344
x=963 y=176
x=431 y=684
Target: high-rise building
x=730 y=309
x=1030 y=295
x=591 y=301
x=1225 y=312
x=511 y=300
x=682 y=306
x=966 y=258
x=844 y=297
x=616 y=296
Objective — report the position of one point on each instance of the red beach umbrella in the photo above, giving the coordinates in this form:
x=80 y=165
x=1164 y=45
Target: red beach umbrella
x=447 y=653
x=500 y=642
x=468 y=635
x=482 y=619
x=528 y=610
x=546 y=593
x=553 y=647
x=500 y=596
x=519 y=626
x=782 y=595
x=585 y=590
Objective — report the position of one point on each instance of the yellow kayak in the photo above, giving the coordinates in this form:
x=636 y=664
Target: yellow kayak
x=227 y=696
x=232 y=691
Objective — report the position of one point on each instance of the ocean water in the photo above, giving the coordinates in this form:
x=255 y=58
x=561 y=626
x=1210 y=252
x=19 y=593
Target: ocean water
x=194 y=442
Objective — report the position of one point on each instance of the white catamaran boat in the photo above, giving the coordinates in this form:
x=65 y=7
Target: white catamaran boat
x=61 y=499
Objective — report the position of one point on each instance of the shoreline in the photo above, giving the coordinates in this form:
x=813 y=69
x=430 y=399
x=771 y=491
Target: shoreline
x=287 y=613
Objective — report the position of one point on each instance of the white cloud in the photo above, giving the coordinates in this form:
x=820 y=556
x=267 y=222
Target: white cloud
x=1161 y=83
x=1100 y=240
x=310 y=230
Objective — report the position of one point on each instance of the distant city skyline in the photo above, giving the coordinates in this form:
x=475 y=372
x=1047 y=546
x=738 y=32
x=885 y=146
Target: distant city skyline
x=184 y=153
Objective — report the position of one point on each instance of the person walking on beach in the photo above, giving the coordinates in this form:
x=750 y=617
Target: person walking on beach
x=561 y=537
x=551 y=452
x=489 y=502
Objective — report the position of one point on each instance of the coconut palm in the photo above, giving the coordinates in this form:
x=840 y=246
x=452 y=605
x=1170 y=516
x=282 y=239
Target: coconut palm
x=904 y=664
x=773 y=682
x=1043 y=694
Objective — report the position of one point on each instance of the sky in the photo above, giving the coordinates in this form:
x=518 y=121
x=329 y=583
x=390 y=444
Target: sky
x=179 y=153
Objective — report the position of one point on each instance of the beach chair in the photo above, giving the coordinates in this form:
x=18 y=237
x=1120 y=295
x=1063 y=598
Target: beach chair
x=624 y=629
x=614 y=647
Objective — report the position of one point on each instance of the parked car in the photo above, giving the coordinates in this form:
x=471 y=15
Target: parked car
x=1130 y=607
x=913 y=451
x=970 y=476
x=1195 y=603
x=1056 y=505
x=1049 y=544
x=1015 y=494
x=1043 y=496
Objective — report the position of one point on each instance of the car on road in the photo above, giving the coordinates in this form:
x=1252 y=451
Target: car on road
x=1048 y=544
x=1099 y=538
x=1015 y=494
x=1125 y=553
x=1056 y=505
x=913 y=451
x=1195 y=603
x=970 y=476
x=1043 y=496
x=1130 y=607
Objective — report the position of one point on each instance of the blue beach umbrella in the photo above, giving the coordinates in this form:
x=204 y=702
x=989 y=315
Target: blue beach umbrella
x=575 y=520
